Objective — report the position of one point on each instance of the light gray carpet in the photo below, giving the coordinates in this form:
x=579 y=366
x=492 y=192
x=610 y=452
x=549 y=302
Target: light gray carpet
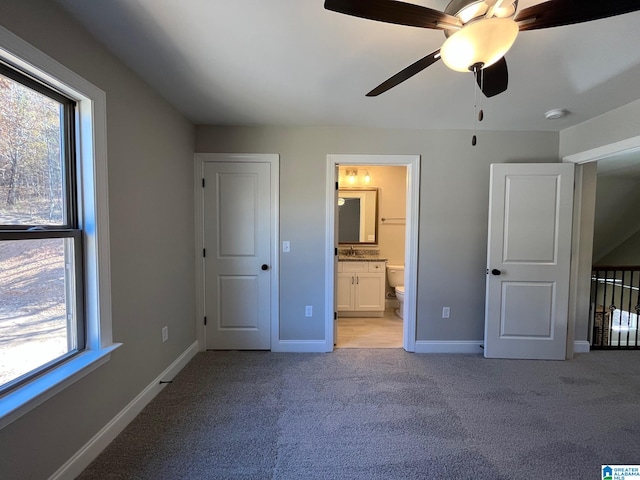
x=384 y=414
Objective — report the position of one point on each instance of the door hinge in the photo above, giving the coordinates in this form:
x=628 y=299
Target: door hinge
x=336 y=185
x=336 y=251
x=205 y=321
x=204 y=252
x=203 y=183
x=335 y=315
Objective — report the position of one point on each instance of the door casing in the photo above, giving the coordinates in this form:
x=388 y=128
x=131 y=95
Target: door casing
x=412 y=162
x=582 y=248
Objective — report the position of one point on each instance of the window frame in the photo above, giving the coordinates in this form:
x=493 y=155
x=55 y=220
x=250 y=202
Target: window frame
x=93 y=220
x=67 y=230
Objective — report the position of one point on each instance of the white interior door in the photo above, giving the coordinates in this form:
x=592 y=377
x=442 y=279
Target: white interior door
x=528 y=261
x=237 y=264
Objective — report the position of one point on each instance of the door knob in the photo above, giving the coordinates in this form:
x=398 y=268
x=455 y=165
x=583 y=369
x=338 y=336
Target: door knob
x=265 y=266
x=495 y=271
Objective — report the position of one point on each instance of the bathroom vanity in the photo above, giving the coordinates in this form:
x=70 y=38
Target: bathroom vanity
x=361 y=287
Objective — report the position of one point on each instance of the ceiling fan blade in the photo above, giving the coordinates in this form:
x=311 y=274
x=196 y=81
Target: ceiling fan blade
x=494 y=79
x=391 y=11
x=555 y=13
x=405 y=74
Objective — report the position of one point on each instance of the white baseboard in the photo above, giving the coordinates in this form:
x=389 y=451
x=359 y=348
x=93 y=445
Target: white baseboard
x=449 y=346
x=81 y=460
x=469 y=346
x=300 y=346
x=581 y=346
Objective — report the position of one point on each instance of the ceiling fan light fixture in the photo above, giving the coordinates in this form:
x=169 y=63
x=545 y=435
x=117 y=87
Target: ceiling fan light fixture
x=472 y=11
x=505 y=11
x=483 y=42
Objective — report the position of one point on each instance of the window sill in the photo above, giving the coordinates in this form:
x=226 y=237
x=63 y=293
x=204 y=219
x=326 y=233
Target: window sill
x=25 y=398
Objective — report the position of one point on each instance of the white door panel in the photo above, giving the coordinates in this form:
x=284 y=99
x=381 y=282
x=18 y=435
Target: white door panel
x=526 y=309
x=528 y=237
x=234 y=312
x=237 y=240
x=528 y=260
x=236 y=213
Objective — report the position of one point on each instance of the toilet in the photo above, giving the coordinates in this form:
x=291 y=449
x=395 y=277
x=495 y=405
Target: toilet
x=395 y=275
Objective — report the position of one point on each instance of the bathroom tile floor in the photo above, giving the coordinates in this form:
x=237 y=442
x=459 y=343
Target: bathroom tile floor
x=383 y=332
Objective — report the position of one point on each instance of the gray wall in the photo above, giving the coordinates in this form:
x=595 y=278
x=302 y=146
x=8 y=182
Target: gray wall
x=610 y=127
x=616 y=214
x=453 y=213
x=150 y=162
x=627 y=254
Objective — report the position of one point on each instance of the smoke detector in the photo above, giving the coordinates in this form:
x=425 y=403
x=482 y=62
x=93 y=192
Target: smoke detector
x=556 y=113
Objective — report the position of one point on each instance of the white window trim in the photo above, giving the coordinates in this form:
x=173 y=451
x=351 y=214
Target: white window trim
x=94 y=220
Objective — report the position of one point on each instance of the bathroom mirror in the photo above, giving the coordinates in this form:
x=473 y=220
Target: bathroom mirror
x=358 y=215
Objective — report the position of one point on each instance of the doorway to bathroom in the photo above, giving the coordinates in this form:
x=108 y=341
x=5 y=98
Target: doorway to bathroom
x=371 y=212
x=377 y=229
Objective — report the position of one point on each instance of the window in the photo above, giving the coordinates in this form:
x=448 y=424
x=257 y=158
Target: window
x=55 y=296
x=624 y=328
x=41 y=311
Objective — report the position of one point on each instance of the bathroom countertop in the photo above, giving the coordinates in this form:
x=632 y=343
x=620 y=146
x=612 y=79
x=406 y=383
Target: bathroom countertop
x=360 y=258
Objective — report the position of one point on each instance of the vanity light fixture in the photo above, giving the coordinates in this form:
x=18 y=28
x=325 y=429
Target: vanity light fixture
x=367 y=177
x=353 y=175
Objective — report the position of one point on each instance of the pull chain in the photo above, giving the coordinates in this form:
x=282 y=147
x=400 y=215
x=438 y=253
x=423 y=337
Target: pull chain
x=478 y=116
x=475 y=109
x=481 y=112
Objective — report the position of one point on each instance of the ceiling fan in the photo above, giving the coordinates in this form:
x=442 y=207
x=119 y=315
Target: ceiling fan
x=479 y=32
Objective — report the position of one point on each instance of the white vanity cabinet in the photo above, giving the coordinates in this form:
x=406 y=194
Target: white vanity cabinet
x=361 y=289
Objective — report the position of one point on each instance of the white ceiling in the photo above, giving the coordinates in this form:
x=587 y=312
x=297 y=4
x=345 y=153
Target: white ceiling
x=291 y=62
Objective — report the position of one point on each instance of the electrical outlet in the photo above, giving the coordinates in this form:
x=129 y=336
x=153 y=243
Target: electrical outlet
x=165 y=334
x=446 y=312
x=308 y=311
